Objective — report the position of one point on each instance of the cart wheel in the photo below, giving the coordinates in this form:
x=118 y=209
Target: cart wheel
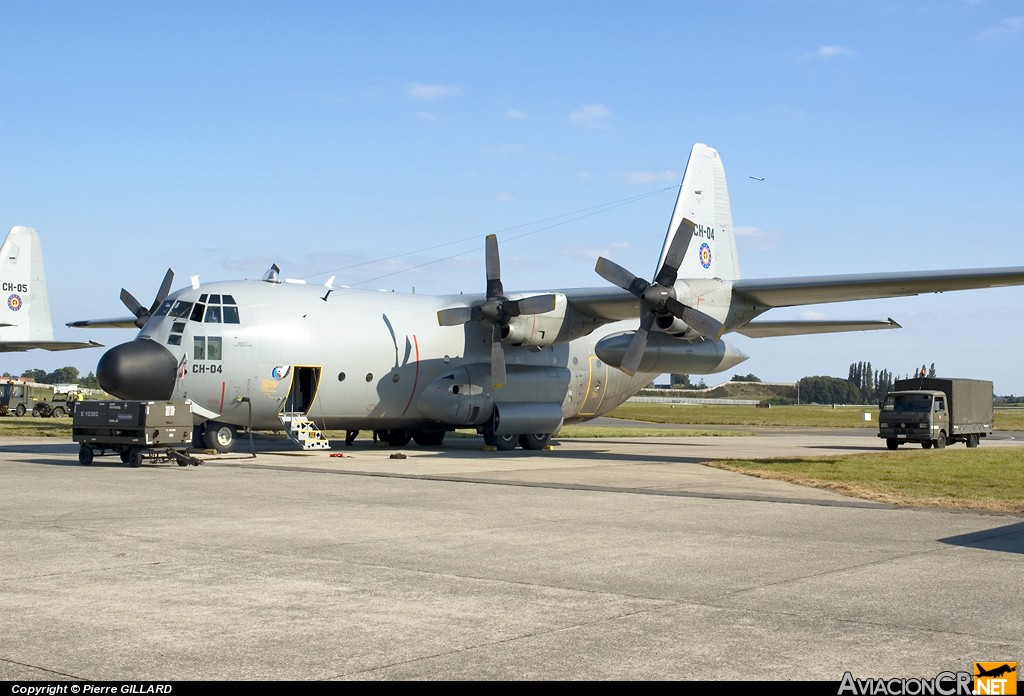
x=85 y=455
x=125 y=455
x=135 y=458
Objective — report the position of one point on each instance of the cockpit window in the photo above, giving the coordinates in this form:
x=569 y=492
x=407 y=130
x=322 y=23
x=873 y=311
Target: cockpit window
x=230 y=315
x=165 y=307
x=197 y=312
x=212 y=314
x=181 y=309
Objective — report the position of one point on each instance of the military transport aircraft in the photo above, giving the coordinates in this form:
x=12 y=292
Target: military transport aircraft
x=25 y=313
x=260 y=354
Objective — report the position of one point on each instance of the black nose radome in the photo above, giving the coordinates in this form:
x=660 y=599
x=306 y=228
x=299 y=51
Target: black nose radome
x=141 y=370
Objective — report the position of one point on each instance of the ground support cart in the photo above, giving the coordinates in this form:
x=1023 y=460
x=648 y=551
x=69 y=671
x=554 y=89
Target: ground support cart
x=137 y=430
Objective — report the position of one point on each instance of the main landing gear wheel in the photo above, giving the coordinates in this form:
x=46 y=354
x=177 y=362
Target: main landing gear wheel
x=535 y=441
x=429 y=438
x=499 y=442
x=220 y=437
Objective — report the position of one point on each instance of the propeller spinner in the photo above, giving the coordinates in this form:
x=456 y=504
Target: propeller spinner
x=141 y=312
x=658 y=299
x=496 y=310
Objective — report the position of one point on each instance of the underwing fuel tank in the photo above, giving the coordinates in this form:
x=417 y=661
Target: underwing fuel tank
x=665 y=353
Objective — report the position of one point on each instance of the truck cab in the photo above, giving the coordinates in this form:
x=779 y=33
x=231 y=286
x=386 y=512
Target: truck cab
x=914 y=416
x=936 y=411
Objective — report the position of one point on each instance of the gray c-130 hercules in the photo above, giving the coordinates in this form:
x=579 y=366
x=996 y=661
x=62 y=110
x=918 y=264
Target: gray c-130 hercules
x=514 y=365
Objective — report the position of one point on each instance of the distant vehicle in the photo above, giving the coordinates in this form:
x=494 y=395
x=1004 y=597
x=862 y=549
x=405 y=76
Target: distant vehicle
x=18 y=398
x=62 y=405
x=936 y=411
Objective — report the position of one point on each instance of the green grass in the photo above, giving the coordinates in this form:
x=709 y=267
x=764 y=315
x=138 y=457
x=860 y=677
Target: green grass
x=785 y=416
x=976 y=479
x=27 y=426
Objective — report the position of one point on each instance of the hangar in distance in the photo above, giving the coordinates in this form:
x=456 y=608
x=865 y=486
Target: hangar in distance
x=265 y=354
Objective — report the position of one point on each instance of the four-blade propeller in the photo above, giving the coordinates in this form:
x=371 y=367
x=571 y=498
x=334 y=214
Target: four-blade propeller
x=496 y=310
x=141 y=312
x=658 y=299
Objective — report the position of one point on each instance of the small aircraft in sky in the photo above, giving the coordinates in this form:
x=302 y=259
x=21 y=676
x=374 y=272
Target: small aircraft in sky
x=516 y=366
x=25 y=313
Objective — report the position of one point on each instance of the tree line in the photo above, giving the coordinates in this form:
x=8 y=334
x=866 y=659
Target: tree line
x=62 y=375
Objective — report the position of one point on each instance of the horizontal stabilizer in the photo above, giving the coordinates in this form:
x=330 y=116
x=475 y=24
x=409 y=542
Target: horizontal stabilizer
x=766 y=329
x=789 y=292
x=18 y=346
x=116 y=323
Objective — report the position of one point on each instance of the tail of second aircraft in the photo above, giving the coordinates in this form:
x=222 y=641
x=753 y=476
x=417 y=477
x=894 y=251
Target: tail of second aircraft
x=704 y=199
x=24 y=305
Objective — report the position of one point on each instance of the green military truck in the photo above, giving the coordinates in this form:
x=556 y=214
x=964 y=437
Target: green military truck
x=936 y=411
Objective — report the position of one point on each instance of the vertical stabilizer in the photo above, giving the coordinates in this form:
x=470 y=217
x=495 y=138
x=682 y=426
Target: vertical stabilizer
x=704 y=199
x=24 y=305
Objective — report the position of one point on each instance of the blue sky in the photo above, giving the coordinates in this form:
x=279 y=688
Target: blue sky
x=216 y=138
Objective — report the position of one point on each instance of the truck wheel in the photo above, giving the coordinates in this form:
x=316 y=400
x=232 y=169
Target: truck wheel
x=19 y=410
x=973 y=440
x=85 y=455
x=57 y=412
x=927 y=444
x=940 y=441
x=219 y=436
x=125 y=455
x=892 y=443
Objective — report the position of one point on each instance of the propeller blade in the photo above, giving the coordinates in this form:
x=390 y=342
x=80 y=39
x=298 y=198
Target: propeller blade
x=635 y=352
x=497 y=358
x=493 y=266
x=704 y=324
x=676 y=252
x=620 y=277
x=164 y=291
x=538 y=304
x=453 y=316
x=133 y=305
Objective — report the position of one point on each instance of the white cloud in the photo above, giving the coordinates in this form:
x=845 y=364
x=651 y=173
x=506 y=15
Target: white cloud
x=591 y=116
x=833 y=51
x=810 y=315
x=1008 y=27
x=761 y=239
x=506 y=197
x=651 y=177
x=516 y=115
x=430 y=92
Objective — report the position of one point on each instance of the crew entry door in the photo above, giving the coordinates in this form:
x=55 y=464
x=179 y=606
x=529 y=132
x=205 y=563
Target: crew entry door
x=594 y=390
x=302 y=392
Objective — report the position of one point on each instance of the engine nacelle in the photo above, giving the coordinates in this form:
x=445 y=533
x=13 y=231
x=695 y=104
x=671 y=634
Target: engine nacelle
x=667 y=354
x=464 y=396
x=559 y=325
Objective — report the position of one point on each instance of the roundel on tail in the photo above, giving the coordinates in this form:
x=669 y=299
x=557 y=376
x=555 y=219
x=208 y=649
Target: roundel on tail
x=14 y=302
x=705 y=255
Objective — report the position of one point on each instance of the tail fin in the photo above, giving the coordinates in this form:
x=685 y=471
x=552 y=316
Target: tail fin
x=704 y=199
x=24 y=305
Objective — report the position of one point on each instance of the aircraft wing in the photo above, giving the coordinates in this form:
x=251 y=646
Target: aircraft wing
x=18 y=346
x=789 y=292
x=765 y=329
x=116 y=323
x=609 y=304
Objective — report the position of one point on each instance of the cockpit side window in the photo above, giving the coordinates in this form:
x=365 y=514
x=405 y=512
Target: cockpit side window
x=181 y=309
x=164 y=308
x=230 y=315
x=197 y=312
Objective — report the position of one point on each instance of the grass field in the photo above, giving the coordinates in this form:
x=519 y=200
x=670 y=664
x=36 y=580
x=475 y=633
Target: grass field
x=793 y=416
x=976 y=479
